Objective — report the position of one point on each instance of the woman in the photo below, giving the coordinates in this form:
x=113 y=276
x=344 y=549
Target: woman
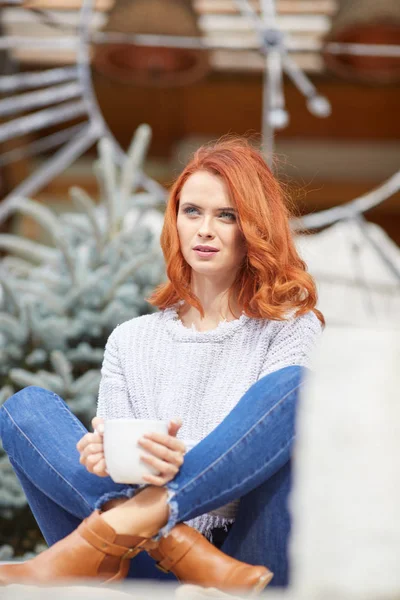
x=226 y=354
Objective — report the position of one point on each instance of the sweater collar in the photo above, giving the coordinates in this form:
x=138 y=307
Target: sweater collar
x=180 y=332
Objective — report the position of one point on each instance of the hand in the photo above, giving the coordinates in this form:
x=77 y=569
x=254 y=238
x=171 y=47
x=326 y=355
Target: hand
x=91 y=449
x=167 y=454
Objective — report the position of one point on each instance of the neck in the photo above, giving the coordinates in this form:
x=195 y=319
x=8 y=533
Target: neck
x=212 y=314
x=214 y=300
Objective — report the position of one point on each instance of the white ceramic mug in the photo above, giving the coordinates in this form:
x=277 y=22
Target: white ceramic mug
x=122 y=451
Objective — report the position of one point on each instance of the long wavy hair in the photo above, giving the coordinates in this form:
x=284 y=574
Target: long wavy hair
x=272 y=282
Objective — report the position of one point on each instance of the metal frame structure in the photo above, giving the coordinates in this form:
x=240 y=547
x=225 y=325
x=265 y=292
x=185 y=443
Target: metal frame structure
x=273 y=45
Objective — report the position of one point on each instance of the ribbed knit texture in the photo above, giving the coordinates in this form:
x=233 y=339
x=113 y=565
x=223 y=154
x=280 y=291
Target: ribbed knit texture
x=155 y=367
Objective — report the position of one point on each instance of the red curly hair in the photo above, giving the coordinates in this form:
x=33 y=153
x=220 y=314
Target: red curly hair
x=272 y=279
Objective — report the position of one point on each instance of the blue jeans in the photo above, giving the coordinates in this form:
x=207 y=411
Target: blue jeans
x=247 y=456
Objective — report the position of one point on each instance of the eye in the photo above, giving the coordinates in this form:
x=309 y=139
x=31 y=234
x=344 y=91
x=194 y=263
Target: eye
x=224 y=214
x=229 y=214
x=188 y=209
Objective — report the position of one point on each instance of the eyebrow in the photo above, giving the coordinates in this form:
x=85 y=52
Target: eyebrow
x=196 y=206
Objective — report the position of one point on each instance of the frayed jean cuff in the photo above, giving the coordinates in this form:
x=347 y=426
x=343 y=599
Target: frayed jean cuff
x=173 y=513
x=127 y=492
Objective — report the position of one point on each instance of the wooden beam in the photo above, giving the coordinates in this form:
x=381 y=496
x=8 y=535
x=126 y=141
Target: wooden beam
x=224 y=60
x=315 y=7
x=101 y=5
x=25 y=22
x=286 y=23
x=228 y=7
x=44 y=57
x=220 y=60
x=234 y=41
x=316 y=24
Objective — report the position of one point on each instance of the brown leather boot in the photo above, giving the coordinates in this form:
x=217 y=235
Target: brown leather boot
x=193 y=559
x=93 y=550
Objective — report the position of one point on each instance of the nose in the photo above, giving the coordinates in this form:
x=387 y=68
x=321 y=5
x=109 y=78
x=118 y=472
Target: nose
x=206 y=235
x=205 y=229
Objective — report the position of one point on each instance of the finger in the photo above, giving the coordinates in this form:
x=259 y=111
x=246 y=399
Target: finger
x=166 y=440
x=162 y=452
x=92 y=439
x=156 y=480
x=160 y=465
x=85 y=457
x=89 y=438
x=92 y=448
x=81 y=445
x=174 y=426
x=98 y=424
x=92 y=460
x=94 y=451
x=101 y=467
x=82 y=442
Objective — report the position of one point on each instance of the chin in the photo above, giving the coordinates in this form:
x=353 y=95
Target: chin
x=205 y=268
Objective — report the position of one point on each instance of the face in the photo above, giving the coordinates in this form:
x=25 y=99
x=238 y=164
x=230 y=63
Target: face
x=207 y=217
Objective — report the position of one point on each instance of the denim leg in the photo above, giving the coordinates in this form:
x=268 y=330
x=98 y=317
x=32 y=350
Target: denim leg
x=39 y=433
x=260 y=534
x=54 y=521
x=248 y=447
x=245 y=450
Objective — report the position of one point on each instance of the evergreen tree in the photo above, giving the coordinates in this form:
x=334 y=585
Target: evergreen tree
x=58 y=305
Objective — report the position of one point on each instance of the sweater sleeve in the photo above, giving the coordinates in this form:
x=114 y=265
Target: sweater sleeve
x=293 y=344
x=113 y=394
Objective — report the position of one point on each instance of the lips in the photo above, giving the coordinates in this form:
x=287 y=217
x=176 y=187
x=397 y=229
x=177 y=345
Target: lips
x=206 y=249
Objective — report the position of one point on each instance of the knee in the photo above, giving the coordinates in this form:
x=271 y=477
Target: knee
x=27 y=401
x=286 y=378
x=23 y=409
x=291 y=374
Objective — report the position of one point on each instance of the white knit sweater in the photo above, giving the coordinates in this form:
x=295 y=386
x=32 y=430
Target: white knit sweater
x=155 y=367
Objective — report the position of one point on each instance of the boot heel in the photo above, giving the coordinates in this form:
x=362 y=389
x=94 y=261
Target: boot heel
x=262 y=583
x=193 y=559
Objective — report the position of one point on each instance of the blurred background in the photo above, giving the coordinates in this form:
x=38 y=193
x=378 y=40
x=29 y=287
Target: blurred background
x=188 y=97
x=314 y=82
